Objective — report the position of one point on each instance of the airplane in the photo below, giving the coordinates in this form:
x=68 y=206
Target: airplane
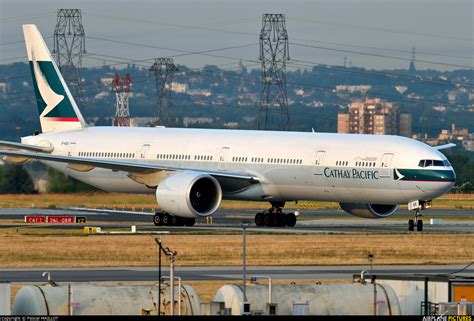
x=191 y=170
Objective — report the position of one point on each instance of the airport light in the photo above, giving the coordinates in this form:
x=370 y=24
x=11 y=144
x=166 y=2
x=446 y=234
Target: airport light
x=172 y=255
x=158 y=241
x=244 y=225
x=370 y=257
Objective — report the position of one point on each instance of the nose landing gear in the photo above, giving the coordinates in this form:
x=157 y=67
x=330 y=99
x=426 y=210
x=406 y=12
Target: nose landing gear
x=416 y=222
x=416 y=207
x=274 y=217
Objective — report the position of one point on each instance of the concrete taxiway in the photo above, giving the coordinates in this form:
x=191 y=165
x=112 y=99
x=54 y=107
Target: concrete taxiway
x=216 y=273
x=310 y=221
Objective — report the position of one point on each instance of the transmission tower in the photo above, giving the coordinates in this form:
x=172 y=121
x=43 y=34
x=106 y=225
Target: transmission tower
x=69 y=45
x=163 y=70
x=122 y=88
x=274 y=52
x=411 y=68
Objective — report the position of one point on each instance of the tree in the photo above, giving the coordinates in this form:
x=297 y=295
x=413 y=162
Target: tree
x=60 y=183
x=18 y=181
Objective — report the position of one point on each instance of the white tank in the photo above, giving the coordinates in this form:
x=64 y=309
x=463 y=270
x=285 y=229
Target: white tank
x=312 y=299
x=102 y=300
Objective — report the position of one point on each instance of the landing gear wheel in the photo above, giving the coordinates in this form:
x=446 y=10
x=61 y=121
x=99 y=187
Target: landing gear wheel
x=259 y=219
x=275 y=220
x=411 y=225
x=167 y=219
x=158 y=219
x=419 y=225
x=189 y=221
x=174 y=220
x=267 y=219
x=290 y=219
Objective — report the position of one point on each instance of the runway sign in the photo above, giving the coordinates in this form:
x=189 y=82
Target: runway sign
x=61 y=219
x=81 y=219
x=35 y=219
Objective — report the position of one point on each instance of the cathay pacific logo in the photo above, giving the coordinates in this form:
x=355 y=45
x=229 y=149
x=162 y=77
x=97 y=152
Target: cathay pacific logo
x=50 y=98
x=351 y=173
x=398 y=175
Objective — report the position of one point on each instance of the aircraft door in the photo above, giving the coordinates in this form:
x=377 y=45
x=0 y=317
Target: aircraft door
x=318 y=164
x=70 y=149
x=144 y=151
x=222 y=161
x=385 y=165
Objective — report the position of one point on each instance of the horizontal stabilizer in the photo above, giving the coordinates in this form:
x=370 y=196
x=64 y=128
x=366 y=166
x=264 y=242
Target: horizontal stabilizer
x=445 y=146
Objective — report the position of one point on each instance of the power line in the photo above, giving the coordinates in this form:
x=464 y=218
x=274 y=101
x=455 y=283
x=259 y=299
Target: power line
x=328 y=90
x=383 y=29
x=379 y=55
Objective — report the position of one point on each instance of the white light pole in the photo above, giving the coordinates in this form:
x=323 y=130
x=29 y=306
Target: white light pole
x=245 y=225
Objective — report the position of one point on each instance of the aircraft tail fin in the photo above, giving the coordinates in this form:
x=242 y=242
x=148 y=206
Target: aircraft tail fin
x=57 y=109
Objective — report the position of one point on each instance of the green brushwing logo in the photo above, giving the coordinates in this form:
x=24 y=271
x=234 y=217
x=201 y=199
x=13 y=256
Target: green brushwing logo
x=51 y=97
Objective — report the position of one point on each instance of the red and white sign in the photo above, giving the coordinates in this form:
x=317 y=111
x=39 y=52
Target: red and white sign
x=35 y=219
x=61 y=219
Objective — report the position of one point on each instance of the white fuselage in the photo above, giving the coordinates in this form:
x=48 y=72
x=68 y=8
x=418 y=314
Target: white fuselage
x=290 y=165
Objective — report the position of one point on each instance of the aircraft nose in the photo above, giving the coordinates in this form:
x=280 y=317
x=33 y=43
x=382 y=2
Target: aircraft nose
x=444 y=181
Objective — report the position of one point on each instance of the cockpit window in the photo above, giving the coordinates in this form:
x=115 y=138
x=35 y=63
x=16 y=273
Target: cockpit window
x=433 y=162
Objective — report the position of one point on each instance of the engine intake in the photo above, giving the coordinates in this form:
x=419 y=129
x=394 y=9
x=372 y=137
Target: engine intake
x=369 y=210
x=189 y=194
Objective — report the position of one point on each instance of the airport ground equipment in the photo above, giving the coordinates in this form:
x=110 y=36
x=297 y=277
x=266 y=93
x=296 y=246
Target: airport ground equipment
x=311 y=299
x=5 y=292
x=86 y=299
x=424 y=294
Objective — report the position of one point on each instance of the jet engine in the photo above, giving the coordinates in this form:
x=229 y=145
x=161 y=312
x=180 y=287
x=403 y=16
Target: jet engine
x=189 y=194
x=369 y=210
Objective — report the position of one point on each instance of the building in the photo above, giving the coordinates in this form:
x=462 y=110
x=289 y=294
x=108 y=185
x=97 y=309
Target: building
x=177 y=87
x=374 y=116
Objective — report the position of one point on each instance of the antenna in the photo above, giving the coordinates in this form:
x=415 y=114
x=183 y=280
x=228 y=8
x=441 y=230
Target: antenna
x=122 y=88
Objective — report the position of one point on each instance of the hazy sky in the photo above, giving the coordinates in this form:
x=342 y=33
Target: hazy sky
x=441 y=31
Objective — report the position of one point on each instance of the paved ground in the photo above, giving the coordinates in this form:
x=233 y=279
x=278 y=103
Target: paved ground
x=311 y=221
x=214 y=273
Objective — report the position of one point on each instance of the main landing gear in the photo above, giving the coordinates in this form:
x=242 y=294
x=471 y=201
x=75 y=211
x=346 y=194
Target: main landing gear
x=274 y=216
x=160 y=219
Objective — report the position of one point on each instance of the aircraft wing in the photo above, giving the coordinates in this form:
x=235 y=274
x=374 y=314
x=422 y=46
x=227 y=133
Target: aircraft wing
x=450 y=145
x=136 y=169
x=20 y=146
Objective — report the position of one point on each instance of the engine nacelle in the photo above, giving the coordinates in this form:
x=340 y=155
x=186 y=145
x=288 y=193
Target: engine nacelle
x=369 y=210
x=189 y=194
